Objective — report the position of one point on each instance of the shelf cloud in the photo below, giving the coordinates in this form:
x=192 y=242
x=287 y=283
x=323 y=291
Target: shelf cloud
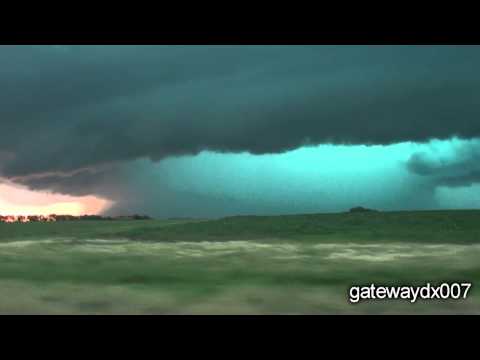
x=104 y=104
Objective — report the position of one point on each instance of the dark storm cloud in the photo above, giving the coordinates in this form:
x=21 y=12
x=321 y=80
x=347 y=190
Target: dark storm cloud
x=103 y=182
x=458 y=168
x=65 y=109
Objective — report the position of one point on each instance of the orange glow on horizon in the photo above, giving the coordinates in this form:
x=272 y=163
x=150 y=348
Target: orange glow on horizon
x=19 y=201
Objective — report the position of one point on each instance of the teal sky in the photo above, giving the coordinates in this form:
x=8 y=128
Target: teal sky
x=324 y=178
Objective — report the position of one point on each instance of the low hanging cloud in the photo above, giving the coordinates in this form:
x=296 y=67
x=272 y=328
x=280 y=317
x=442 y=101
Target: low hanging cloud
x=67 y=109
x=458 y=167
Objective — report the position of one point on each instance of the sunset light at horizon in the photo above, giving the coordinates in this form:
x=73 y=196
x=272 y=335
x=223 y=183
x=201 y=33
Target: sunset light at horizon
x=19 y=201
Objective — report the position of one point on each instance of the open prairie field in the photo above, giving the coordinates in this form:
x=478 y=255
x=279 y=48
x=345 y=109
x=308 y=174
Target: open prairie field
x=301 y=264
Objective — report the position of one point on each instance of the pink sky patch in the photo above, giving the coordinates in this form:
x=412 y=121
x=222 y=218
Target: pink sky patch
x=15 y=200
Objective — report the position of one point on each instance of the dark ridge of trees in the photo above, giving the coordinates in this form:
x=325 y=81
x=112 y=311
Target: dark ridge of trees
x=361 y=209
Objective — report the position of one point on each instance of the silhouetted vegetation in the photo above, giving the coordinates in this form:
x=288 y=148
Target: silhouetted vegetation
x=56 y=218
x=360 y=209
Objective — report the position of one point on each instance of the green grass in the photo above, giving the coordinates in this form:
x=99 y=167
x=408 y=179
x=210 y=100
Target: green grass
x=242 y=265
x=78 y=229
x=438 y=226
x=428 y=226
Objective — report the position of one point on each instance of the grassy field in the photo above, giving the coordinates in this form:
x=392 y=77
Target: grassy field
x=241 y=265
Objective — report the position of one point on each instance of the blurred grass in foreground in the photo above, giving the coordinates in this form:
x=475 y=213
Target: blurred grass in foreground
x=242 y=265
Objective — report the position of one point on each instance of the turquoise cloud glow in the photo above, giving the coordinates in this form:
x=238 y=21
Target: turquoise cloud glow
x=325 y=178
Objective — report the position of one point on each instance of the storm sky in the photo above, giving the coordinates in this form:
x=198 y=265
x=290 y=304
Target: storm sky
x=192 y=131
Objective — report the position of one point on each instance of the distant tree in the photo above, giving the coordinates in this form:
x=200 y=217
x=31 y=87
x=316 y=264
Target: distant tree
x=360 y=209
x=140 y=217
